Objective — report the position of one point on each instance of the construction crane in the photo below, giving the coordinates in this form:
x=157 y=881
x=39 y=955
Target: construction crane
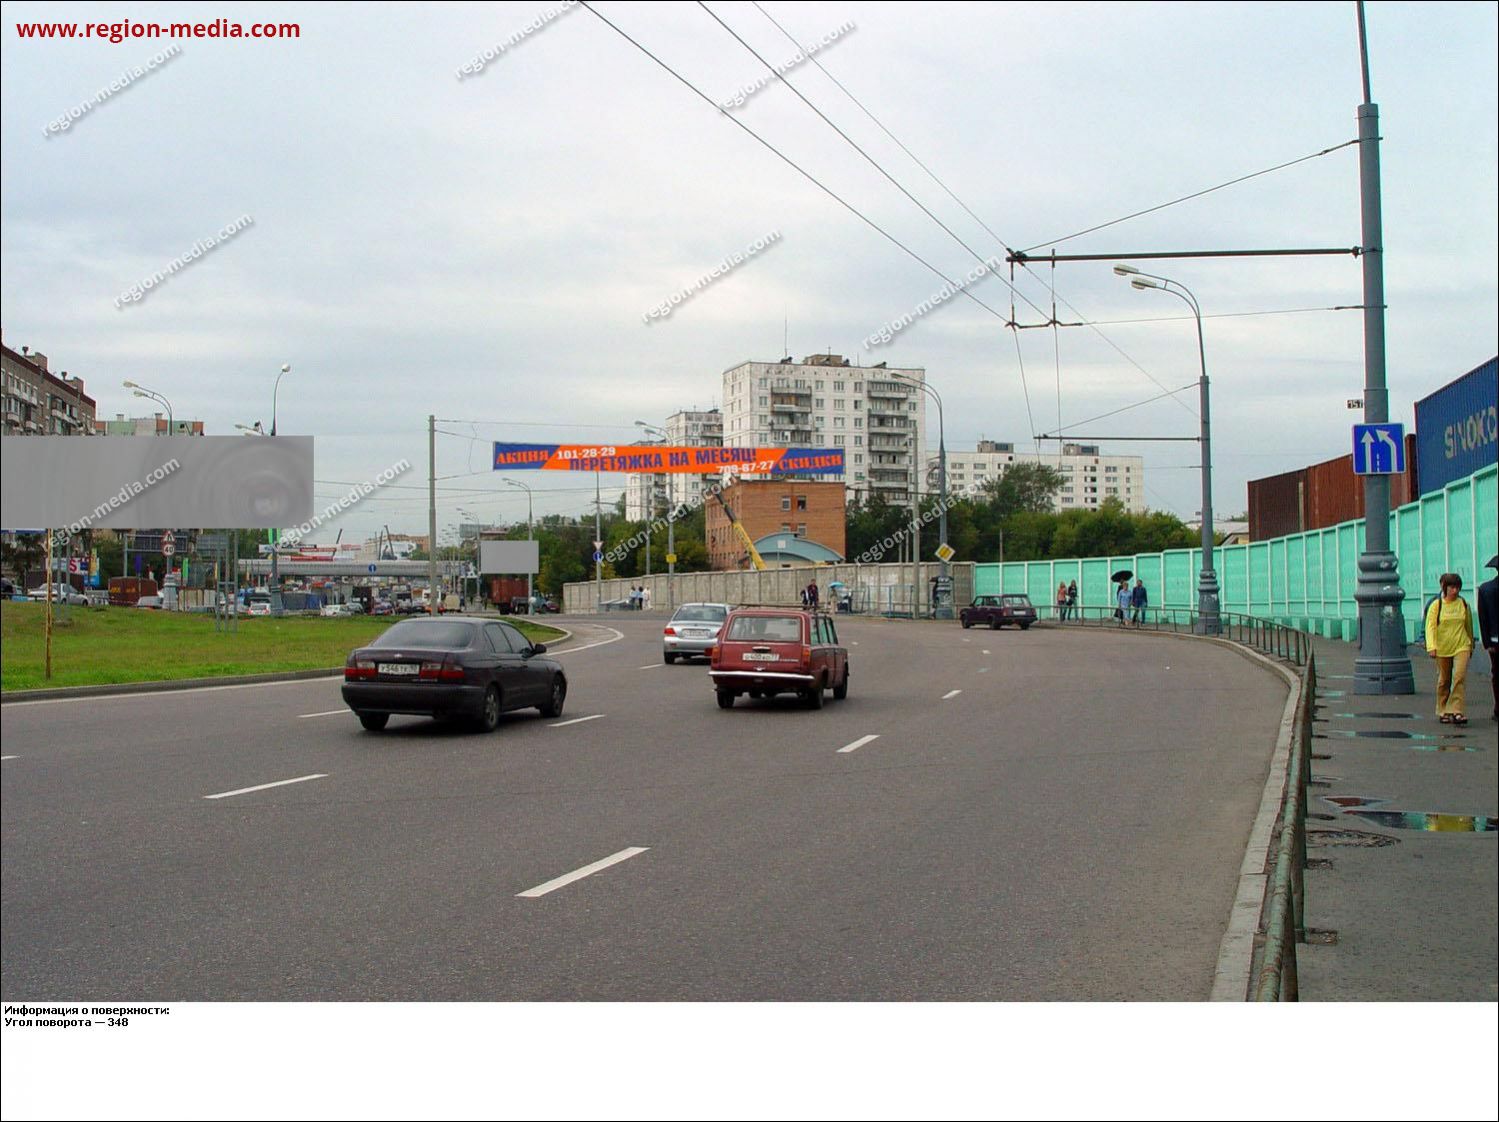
x=749 y=543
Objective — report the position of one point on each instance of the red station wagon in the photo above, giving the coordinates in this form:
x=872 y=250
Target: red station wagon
x=996 y=611
x=768 y=651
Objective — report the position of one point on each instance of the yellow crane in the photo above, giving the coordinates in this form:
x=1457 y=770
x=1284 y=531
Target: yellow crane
x=749 y=543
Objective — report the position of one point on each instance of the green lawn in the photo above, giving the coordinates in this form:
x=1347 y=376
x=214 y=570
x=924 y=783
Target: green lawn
x=103 y=646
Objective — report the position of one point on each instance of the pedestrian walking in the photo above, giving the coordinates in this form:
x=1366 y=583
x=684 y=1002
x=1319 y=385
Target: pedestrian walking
x=1072 y=598
x=1138 y=599
x=812 y=594
x=1062 y=602
x=1449 y=640
x=1488 y=628
x=645 y=597
x=1122 y=598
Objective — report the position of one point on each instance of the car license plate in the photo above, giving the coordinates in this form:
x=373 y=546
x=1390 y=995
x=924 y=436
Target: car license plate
x=697 y=633
x=399 y=669
x=754 y=656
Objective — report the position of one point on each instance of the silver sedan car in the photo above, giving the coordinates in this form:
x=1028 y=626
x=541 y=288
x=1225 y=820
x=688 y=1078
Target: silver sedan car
x=692 y=630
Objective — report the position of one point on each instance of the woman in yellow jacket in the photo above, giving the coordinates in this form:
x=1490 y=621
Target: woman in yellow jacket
x=1449 y=640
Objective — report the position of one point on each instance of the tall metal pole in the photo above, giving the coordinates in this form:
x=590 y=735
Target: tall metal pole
x=530 y=537
x=598 y=550
x=431 y=514
x=945 y=609
x=1382 y=665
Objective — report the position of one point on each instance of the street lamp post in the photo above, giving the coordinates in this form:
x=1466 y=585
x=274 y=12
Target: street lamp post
x=276 y=544
x=944 y=610
x=671 y=532
x=1208 y=620
x=530 y=537
x=142 y=391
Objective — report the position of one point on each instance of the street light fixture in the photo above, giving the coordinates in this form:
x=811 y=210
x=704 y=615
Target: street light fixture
x=1208 y=620
x=285 y=370
x=142 y=391
x=530 y=537
x=944 y=610
x=253 y=430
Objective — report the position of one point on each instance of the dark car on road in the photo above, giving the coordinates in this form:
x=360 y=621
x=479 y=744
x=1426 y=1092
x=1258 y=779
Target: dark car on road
x=769 y=651
x=456 y=668
x=997 y=611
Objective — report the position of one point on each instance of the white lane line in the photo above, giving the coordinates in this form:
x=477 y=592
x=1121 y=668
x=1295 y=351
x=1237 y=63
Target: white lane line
x=575 y=721
x=983 y=670
x=951 y=694
x=265 y=786
x=10 y=757
x=855 y=643
x=325 y=713
x=987 y=652
x=967 y=640
x=618 y=635
x=652 y=666
x=586 y=871
x=863 y=740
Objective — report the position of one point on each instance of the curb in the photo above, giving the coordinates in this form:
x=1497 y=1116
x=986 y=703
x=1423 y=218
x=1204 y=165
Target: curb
x=118 y=689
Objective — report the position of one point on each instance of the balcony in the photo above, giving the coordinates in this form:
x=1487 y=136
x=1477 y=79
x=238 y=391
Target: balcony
x=888 y=389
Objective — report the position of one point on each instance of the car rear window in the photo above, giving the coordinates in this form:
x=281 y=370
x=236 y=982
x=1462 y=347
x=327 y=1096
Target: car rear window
x=1018 y=601
x=766 y=629
x=428 y=633
x=709 y=612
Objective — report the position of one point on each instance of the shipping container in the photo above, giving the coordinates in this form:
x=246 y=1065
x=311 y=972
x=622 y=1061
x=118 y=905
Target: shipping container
x=503 y=589
x=1318 y=496
x=1277 y=505
x=1457 y=428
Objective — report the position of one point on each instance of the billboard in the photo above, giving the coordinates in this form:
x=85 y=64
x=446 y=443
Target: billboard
x=667 y=459
x=1457 y=428
x=509 y=557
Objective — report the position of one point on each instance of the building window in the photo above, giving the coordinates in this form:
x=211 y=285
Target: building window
x=785 y=527
x=858 y=441
x=764 y=401
x=801 y=502
x=858 y=404
x=838 y=441
x=801 y=529
x=837 y=422
x=858 y=457
x=837 y=387
x=820 y=402
x=785 y=502
x=858 y=422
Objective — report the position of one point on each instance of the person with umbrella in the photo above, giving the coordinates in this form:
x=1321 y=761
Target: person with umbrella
x=1122 y=596
x=1488 y=627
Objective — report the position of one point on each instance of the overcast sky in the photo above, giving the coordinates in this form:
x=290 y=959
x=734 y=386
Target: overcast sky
x=485 y=249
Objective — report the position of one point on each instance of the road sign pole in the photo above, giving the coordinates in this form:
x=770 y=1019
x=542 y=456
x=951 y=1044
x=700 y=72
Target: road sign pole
x=1382 y=665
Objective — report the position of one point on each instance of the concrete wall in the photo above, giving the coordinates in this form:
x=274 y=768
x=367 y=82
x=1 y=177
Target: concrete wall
x=877 y=589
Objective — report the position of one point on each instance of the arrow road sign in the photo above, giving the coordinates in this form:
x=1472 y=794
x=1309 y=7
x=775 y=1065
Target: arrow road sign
x=1378 y=449
x=597 y=556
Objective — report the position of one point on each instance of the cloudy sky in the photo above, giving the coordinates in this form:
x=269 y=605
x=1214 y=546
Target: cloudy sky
x=484 y=248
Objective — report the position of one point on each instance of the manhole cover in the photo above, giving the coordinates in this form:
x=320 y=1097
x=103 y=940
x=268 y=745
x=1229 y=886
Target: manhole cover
x=1318 y=838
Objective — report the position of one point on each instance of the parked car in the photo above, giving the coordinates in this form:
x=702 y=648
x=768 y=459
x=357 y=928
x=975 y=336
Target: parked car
x=332 y=610
x=997 y=611
x=61 y=594
x=258 y=606
x=382 y=608
x=692 y=630
x=153 y=603
x=768 y=651
x=457 y=667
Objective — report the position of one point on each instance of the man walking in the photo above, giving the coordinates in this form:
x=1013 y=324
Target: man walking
x=1488 y=628
x=1124 y=599
x=1138 y=600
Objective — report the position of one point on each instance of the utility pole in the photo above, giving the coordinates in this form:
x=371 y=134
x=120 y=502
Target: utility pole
x=598 y=544
x=431 y=514
x=1382 y=665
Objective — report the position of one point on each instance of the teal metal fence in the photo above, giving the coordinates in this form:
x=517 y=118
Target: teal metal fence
x=1305 y=580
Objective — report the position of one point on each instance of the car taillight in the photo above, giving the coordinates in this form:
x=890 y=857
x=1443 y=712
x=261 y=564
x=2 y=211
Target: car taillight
x=356 y=669
x=713 y=652
x=806 y=655
x=445 y=670
x=670 y=631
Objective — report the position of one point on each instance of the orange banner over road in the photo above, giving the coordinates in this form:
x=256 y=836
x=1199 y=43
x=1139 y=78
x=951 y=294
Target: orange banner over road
x=667 y=459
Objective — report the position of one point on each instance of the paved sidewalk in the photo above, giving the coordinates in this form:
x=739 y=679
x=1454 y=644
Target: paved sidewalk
x=1412 y=899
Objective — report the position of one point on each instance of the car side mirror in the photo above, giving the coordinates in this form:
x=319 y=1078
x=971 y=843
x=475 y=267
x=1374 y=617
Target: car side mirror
x=539 y=648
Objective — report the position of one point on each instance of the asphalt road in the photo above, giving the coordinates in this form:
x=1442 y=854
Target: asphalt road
x=1068 y=824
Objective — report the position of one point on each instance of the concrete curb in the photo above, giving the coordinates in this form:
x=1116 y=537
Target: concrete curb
x=119 y=689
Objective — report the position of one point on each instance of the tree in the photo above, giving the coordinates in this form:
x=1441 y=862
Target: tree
x=1030 y=488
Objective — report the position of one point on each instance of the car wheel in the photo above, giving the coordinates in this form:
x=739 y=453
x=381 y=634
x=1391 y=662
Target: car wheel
x=967 y=623
x=668 y=658
x=840 y=691
x=553 y=707
x=1025 y=627
x=725 y=699
x=374 y=721
x=994 y=625
x=813 y=697
x=489 y=716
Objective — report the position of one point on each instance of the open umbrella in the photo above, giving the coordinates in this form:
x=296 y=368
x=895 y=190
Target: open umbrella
x=1493 y=562
x=1122 y=574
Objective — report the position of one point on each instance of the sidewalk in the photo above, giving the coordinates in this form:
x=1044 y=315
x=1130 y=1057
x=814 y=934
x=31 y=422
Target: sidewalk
x=1411 y=897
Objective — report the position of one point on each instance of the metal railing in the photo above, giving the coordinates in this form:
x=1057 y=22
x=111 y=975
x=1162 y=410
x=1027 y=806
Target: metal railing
x=1278 y=639
x=1283 y=914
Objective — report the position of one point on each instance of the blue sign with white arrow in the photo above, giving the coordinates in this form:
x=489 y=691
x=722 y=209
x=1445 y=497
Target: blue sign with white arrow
x=1379 y=449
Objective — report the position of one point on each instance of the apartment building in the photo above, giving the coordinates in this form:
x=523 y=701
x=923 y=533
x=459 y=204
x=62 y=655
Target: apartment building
x=157 y=425
x=33 y=400
x=876 y=414
x=1088 y=476
x=650 y=494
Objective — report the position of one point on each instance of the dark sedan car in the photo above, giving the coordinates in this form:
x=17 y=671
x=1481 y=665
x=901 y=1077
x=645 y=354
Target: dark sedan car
x=996 y=611
x=456 y=667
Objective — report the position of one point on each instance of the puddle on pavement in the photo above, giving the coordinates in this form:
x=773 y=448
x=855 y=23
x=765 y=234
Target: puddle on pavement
x=1318 y=838
x=1380 y=716
x=1346 y=801
x=1436 y=823
x=1332 y=693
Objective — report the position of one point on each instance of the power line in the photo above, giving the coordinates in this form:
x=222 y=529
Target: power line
x=1228 y=315
x=1122 y=409
x=1186 y=198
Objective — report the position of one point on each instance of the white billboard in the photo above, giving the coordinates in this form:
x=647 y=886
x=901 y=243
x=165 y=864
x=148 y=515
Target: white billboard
x=508 y=558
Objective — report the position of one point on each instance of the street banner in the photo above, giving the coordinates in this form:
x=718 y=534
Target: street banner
x=662 y=459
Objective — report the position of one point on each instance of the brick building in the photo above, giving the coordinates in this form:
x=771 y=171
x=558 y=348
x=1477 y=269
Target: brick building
x=808 y=510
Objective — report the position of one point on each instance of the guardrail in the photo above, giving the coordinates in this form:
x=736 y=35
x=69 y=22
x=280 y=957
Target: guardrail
x=1263 y=635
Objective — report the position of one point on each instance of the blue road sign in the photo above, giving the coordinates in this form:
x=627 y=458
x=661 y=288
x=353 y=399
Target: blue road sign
x=374 y=568
x=597 y=556
x=1378 y=449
